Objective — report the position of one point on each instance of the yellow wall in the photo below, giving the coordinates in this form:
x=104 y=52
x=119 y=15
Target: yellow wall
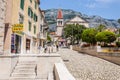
x=15 y=15
x=14 y=19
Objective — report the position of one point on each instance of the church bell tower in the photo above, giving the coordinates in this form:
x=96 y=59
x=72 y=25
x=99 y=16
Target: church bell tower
x=60 y=23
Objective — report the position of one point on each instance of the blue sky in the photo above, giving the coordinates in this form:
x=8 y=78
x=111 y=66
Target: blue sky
x=109 y=9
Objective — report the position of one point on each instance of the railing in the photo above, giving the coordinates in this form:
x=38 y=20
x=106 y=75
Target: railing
x=13 y=69
x=36 y=70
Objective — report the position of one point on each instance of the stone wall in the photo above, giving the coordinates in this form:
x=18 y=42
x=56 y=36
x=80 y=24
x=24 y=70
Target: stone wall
x=2 y=23
x=7 y=65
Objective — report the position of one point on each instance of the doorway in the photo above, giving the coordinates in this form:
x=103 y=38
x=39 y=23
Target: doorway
x=28 y=45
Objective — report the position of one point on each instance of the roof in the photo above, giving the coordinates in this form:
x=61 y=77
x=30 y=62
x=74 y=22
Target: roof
x=59 y=16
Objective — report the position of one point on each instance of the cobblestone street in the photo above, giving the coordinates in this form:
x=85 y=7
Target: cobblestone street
x=86 y=67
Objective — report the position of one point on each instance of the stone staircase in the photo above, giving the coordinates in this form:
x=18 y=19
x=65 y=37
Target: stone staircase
x=24 y=70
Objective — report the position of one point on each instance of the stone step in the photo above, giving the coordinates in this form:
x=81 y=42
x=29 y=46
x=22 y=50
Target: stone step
x=24 y=75
x=27 y=69
x=21 y=78
x=24 y=70
x=27 y=61
x=26 y=65
x=22 y=67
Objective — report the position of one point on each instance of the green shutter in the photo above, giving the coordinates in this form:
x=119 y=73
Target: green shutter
x=34 y=29
x=31 y=1
x=31 y=14
x=35 y=5
x=29 y=23
x=22 y=4
x=29 y=11
x=35 y=17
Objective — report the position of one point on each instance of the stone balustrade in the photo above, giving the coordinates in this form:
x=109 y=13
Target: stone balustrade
x=61 y=72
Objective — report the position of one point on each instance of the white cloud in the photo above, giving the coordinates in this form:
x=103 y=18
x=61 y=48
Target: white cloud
x=99 y=3
x=91 y=5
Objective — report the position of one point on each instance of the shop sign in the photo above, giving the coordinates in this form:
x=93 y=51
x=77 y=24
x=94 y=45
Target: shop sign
x=17 y=28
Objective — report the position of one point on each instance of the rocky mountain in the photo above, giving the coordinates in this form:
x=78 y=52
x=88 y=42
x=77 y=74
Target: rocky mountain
x=94 y=21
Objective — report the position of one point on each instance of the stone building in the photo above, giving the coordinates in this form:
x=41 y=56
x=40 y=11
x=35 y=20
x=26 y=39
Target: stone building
x=2 y=23
x=43 y=28
x=78 y=20
x=22 y=26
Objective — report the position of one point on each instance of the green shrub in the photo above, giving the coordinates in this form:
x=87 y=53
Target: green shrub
x=118 y=44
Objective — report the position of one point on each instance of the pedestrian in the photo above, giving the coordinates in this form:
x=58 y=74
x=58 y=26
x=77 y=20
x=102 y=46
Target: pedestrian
x=45 y=50
x=52 y=48
x=39 y=48
x=57 y=47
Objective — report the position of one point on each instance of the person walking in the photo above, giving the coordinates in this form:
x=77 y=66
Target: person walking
x=39 y=48
x=45 y=50
x=57 y=47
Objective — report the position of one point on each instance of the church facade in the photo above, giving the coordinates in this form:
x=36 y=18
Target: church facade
x=78 y=20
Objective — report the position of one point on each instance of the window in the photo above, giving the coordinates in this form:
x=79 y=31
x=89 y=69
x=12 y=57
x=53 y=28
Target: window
x=35 y=17
x=30 y=12
x=31 y=1
x=21 y=19
x=34 y=29
x=22 y=4
x=41 y=28
x=29 y=25
x=35 y=5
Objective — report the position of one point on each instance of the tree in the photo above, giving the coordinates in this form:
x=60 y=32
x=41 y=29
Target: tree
x=88 y=36
x=101 y=28
x=100 y=37
x=73 y=32
x=48 y=38
x=105 y=36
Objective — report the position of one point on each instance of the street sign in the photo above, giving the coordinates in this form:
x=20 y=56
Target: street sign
x=17 y=28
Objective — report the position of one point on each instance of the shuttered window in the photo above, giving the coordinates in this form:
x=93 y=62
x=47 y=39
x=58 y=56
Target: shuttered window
x=22 y=4
x=35 y=17
x=34 y=29
x=31 y=1
x=35 y=5
x=30 y=12
x=29 y=25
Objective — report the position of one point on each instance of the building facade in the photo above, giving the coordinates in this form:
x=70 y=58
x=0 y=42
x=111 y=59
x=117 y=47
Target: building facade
x=43 y=29
x=78 y=20
x=2 y=23
x=22 y=26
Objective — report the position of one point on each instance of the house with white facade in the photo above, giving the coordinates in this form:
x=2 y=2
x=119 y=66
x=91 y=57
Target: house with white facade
x=78 y=20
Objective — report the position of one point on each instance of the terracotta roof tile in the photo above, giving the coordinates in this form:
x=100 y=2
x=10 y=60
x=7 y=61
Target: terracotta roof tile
x=59 y=16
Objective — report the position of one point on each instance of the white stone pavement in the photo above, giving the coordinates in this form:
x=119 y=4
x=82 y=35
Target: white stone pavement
x=86 y=67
